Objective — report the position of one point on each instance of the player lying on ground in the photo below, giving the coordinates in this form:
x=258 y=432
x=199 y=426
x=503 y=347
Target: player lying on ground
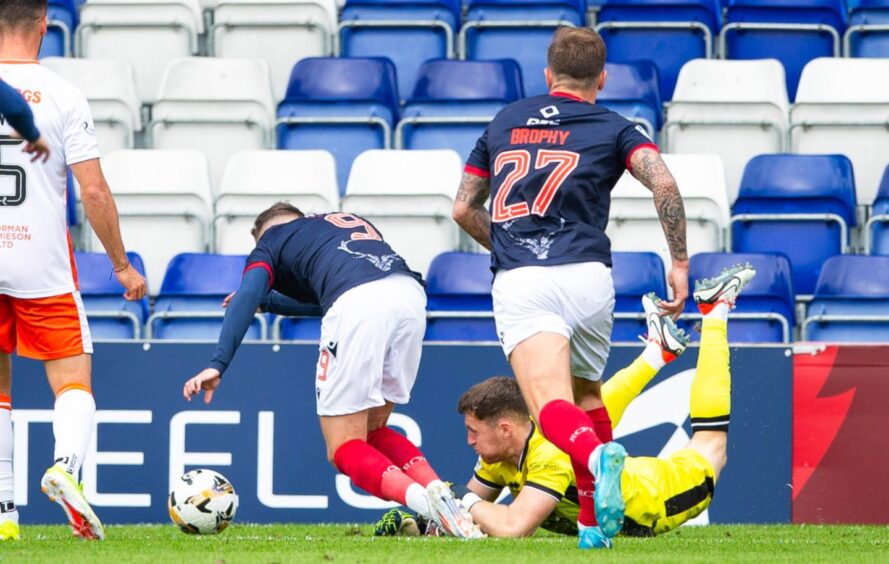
x=660 y=493
x=371 y=339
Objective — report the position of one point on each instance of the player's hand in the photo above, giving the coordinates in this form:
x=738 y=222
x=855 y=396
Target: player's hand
x=678 y=280
x=133 y=283
x=227 y=300
x=207 y=379
x=38 y=148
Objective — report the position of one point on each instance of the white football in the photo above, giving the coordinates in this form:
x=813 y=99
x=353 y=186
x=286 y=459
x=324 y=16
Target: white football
x=202 y=502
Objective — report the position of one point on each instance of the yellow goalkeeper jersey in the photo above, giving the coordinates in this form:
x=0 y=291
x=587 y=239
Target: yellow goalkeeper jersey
x=543 y=467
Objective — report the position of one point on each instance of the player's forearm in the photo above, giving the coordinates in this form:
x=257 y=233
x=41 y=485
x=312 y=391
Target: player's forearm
x=671 y=212
x=498 y=520
x=477 y=223
x=280 y=304
x=16 y=111
x=239 y=317
x=101 y=212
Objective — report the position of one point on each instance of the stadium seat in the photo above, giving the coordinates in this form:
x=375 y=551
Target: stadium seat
x=458 y=290
x=62 y=20
x=219 y=106
x=344 y=106
x=792 y=31
x=666 y=32
x=736 y=109
x=765 y=313
x=281 y=32
x=877 y=229
x=453 y=101
x=110 y=315
x=634 y=224
x=147 y=33
x=254 y=180
x=634 y=275
x=110 y=88
x=163 y=198
x=868 y=31
x=407 y=32
x=851 y=302
x=800 y=205
x=189 y=306
x=517 y=29
x=633 y=91
x=408 y=196
x=842 y=108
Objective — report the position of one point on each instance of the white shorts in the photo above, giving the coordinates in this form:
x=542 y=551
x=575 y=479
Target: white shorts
x=574 y=300
x=371 y=341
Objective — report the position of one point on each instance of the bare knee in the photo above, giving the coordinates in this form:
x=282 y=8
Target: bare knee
x=5 y=374
x=713 y=446
x=587 y=393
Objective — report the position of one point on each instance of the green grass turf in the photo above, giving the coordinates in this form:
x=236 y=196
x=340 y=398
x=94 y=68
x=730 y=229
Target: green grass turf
x=345 y=543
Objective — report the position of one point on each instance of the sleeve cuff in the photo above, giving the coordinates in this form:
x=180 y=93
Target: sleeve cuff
x=544 y=489
x=487 y=483
x=636 y=148
x=218 y=366
x=474 y=170
x=266 y=267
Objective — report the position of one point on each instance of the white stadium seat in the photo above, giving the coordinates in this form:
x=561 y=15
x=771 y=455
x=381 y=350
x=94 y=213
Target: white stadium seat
x=736 y=109
x=163 y=198
x=842 y=107
x=279 y=31
x=147 y=33
x=254 y=180
x=110 y=88
x=218 y=106
x=634 y=225
x=409 y=196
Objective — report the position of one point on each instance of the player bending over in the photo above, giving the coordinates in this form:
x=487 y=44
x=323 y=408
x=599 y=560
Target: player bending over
x=371 y=339
x=660 y=493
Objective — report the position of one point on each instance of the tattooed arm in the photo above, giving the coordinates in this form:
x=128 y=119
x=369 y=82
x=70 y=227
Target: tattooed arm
x=649 y=168
x=470 y=212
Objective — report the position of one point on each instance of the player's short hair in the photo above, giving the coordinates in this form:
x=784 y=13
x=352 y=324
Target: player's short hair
x=21 y=14
x=278 y=209
x=493 y=398
x=576 y=55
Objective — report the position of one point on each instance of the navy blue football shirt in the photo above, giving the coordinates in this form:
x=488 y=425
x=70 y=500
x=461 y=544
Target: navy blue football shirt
x=553 y=161
x=315 y=259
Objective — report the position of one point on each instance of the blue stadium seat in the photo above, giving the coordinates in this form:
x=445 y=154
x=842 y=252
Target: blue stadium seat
x=792 y=31
x=667 y=32
x=868 y=31
x=62 y=17
x=851 y=301
x=459 y=298
x=633 y=91
x=798 y=205
x=765 y=312
x=110 y=315
x=517 y=29
x=408 y=32
x=189 y=304
x=877 y=230
x=634 y=275
x=453 y=101
x=71 y=202
x=345 y=106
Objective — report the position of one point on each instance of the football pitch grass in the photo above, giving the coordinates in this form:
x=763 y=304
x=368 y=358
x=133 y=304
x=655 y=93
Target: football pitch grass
x=356 y=543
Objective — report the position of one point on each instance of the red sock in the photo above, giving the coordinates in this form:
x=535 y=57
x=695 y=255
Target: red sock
x=403 y=453
x=601 y=424
x=371 y=471
x=569 y=428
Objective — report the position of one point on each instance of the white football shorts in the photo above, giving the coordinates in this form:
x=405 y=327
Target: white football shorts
x=575 y=300
x=371 y=342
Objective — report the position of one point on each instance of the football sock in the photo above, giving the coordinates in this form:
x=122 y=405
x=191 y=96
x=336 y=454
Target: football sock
x=72 y=426
x=371 y=471
x=7 y=507
x=570 y=429
x=623 y=387
x=719 y=311
x=397 y=448
x=601 y=423
x=712 y=384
